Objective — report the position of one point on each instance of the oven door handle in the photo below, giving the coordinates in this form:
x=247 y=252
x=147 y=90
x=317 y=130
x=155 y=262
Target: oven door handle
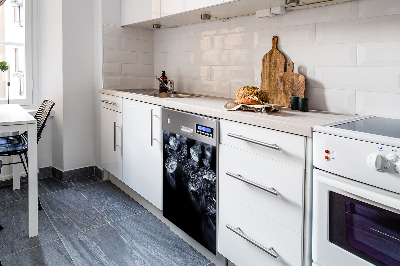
x=361 y=192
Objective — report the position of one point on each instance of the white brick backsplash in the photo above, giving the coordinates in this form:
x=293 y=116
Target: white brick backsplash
x=233 y=73
x=339 y=12
x=383 y=54
x=380 y=104
x=111 y=82
x=122 y=32
x=146 y=82
x=112 y=69
x=377 y=29
x=337 y=101
x=374 y=79
x=184 y=85
x=146 y=58
x=210 y=28
x=288 y=36
x=244 y=40
x=159 y=58
x=322 y=55
x=373 y=8
x=194 y=72
x=213 y=57
x=136 y=45
x=130 y=82
x=212 y=88
x=112 y=43
x=349 y=54
x=137 y=70
x=181 y=58
x=114 y=56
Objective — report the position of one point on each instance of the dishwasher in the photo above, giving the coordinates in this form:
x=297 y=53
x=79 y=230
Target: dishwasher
x=190 y=174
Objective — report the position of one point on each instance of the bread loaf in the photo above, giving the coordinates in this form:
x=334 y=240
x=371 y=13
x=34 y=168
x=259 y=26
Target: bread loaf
x=251 y=95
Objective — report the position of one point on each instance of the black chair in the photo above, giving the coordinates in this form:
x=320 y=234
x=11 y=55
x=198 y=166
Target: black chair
x=18 y=145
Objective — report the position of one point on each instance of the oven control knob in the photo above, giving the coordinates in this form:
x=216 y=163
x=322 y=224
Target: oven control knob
x=378 y=162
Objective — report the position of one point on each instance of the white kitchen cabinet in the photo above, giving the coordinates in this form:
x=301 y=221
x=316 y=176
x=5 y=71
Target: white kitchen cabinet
x=133 y=11
x=171 y=7
x=111 y=134
x=142 y=160
x=261 y=191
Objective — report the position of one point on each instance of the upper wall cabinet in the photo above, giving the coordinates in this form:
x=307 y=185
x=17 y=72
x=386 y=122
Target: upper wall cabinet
x=133 y=11
x=172 y=7
x=174 y=13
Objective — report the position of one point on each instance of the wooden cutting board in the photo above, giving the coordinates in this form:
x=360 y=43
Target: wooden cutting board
x=273 y=68
x=293 y=84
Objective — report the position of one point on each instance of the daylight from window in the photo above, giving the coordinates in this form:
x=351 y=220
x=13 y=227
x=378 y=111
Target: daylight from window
x=12 y=49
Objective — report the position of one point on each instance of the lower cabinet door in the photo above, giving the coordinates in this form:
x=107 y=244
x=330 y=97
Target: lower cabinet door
x=111 y=141
x=142 y=160
x=248 y=238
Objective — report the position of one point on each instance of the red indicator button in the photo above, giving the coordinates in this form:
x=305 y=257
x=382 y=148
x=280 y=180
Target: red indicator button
x=326 y=157
x=327 y=151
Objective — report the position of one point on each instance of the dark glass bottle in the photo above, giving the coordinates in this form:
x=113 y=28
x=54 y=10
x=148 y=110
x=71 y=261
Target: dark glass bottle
x=163 y=78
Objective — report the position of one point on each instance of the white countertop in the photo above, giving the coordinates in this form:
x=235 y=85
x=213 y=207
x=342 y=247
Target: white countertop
x=295 y=122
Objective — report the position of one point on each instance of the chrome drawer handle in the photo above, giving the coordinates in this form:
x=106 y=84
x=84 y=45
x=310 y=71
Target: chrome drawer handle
x=269 y=190
x=105 y=101
x=272 y=146
x=270 y=250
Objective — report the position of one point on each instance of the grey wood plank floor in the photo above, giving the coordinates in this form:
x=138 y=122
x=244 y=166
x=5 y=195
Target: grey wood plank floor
x=87 y=222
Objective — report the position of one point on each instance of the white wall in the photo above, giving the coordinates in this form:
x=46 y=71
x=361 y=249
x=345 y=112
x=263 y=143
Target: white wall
x=66 y=63
x=50 y=75
x=78 y=83
x=349 y=53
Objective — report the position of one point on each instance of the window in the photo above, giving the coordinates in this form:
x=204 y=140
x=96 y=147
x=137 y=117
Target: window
x=16 y=50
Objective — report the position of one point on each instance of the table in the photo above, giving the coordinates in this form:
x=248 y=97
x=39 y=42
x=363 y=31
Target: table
x=15 y=118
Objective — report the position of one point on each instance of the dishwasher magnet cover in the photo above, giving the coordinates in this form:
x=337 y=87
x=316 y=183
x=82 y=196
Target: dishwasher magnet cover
x=189 y=187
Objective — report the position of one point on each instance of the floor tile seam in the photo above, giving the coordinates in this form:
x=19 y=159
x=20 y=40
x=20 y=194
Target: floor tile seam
x=133 y=249
x=59 y=236
x=23 y=250
x=69 y=254
x=7 y=202
x=115 y=220
x=64 y=189
x=92 y=227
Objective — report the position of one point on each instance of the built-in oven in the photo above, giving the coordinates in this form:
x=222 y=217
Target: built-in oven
x=356 y=193
x=354 y=223
x=190 y=174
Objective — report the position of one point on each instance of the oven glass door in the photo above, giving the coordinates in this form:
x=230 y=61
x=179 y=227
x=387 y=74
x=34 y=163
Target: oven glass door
x=367 y=231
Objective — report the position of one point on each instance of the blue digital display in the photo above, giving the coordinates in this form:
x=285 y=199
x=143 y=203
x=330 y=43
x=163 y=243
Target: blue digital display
x=203 y=130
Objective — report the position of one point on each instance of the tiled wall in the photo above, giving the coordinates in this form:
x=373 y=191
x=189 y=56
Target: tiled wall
x=349 y=53
x=127 y=57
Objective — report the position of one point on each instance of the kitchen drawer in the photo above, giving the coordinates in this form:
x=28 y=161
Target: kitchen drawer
x=111 y=102
x=286 y=243
x=288 y=181
x=292 y=146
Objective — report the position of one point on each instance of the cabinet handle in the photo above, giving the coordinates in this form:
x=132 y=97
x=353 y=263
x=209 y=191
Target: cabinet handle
x=270 y=250
x=151 y=127
x=115 y=136
x=272 y=146
x=269 y=190
x=105 y=101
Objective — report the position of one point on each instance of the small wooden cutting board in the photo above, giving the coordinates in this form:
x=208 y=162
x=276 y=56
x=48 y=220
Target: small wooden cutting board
x=273 y=68
x=293 y=84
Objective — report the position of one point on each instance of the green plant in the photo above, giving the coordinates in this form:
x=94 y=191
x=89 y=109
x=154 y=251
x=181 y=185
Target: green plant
x=3 y=66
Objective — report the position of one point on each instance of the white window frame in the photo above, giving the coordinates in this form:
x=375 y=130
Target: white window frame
x=29 y=21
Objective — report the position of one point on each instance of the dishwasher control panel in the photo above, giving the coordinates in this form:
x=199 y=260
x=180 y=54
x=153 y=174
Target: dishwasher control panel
x=204 y=130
